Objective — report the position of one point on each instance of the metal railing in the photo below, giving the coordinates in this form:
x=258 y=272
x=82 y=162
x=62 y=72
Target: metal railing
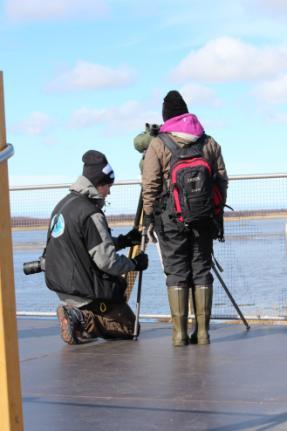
x=254 y=255
x=64 y=186
x=6 y=153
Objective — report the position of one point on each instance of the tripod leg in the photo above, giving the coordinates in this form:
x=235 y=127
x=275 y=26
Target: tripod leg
x=229 y=295
x=136 y=325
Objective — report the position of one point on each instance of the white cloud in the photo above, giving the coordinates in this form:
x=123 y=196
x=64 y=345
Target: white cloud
x=50 y=141
x=89 y=76
x=35 y=10
x=278 y=118
x=85 y=117
x=274 y=92
x=36 y=124
x=130 y=116
x=228 y=59
x=270 y=6
x=199 y=95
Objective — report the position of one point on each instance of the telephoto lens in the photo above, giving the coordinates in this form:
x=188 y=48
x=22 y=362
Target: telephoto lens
x=32 y=267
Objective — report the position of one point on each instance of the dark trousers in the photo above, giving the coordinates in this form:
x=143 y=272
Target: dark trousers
x=186 y=254
x=107 y=320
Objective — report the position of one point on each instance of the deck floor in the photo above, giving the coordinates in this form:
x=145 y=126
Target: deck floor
x=238 y=382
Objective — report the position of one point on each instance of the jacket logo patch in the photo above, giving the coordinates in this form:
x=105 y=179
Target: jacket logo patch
x=59 y=227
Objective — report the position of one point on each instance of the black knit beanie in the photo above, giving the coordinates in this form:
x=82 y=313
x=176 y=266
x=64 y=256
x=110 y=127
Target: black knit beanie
x=97 y=169
x=173 y=105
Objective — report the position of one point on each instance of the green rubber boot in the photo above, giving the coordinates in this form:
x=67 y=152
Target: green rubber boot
x=192 y=312
x=203 y=304
x=178 y=302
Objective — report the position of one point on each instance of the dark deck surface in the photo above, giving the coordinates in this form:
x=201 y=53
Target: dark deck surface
x=239 y=382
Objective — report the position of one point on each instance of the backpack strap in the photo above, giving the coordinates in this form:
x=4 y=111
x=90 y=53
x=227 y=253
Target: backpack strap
x=192 y=150
x=171 y=145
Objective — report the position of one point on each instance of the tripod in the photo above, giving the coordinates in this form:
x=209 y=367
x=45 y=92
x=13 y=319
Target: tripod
x=214 y=267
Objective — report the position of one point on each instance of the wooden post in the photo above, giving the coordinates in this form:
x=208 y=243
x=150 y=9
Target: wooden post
x=10 y=388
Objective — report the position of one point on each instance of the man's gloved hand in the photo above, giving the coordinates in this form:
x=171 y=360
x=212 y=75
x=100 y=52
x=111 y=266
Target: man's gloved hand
x=141 y=261
x=148 y=222
x=133 y=237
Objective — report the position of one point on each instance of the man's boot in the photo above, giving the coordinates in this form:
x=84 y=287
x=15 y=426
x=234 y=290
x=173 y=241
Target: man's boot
x=71 y=322
x=178 y=302
x=203 y=304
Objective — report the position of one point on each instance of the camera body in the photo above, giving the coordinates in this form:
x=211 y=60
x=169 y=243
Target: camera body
x=153 y=129
x=34 y=266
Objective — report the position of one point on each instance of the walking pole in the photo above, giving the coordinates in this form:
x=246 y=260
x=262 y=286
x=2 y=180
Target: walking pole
x=136 y=327
x=213 y=266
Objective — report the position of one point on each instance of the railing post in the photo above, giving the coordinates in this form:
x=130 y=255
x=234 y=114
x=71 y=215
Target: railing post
x=11 y=418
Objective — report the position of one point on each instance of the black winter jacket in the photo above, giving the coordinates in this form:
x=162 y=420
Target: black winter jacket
x=79 y=243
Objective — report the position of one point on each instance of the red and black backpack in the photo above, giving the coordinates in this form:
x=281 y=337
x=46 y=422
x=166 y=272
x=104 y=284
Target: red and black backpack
x=194 y=194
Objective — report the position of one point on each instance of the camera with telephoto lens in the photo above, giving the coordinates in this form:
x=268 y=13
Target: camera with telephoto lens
x=34 y=267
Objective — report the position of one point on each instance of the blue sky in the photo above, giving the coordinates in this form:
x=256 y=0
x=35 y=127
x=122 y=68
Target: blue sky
x=88 y=74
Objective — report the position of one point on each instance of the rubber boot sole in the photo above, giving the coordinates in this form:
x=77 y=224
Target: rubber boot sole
x=203 y=341
x=179 y=343
x=66 y=328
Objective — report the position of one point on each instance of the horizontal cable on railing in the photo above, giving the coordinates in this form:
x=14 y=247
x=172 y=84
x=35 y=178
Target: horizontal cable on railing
x=138 y=182
x=66 y=185
x=161 y=317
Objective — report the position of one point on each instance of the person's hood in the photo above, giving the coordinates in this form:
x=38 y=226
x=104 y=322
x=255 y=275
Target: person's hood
x=83 y=186
x=186 y=126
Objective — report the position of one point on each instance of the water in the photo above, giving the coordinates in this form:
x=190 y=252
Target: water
x=254 y=259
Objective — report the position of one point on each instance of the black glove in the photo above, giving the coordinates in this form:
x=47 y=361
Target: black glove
x=148 y=222
x=133 y=237
x=141 y=261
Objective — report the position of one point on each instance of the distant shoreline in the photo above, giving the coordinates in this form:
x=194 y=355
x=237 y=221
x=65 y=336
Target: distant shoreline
x=31 y=223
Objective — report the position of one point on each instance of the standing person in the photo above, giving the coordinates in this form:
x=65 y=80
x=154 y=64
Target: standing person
x=186 y=250
x=81 y=261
